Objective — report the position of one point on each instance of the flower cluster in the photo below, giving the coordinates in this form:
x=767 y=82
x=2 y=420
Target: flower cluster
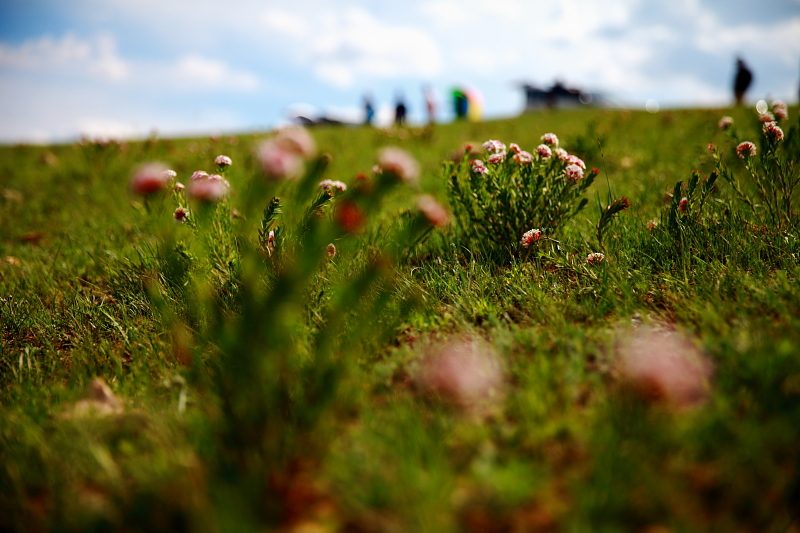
x=573 y=172
x=780 y=110
x=329 y=185
x=746 y=149
x=551 y=139
x=494 y=147
x=496 y=158
x=725 y=123
x=522 y=157
x=595 y=258
x=151 y=178
x=772 y=131
x=531 y=236
x=478 y=167
x=544 y=151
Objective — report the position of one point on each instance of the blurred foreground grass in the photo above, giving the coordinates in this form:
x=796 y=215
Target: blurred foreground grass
x=566 y=446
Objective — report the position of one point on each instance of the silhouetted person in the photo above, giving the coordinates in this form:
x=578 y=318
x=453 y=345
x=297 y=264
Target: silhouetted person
x=742 y=80
x=369 y=110
x=400 y=111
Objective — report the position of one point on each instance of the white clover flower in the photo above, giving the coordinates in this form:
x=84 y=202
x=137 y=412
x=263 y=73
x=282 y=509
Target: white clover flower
x=179 y=186
x=595 y=258
x=478 y=167
x=551 y=139
x=523 y=158
x=575 y=160
x=400 y=163
x=496 y=158
x=331 y=184
x=181 y=214
x=773 y=131
x=544 y=151
x=170 y=174
x=531 y=236
x=494 y=147
x=223 y=161
x=725 y=123
x=573 y=172
x=766 y=117
x=746 y=149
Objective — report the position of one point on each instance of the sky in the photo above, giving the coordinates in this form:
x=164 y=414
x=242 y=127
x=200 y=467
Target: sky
x=128 y=68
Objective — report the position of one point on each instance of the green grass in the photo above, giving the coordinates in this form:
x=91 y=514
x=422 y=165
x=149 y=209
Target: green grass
x=309 y=414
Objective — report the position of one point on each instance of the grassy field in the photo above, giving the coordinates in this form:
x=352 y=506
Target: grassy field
x=418 y=380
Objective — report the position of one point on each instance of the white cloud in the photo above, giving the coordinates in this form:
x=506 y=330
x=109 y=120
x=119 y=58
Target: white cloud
x=98 y=56
x=197 y=72
x=343 y=46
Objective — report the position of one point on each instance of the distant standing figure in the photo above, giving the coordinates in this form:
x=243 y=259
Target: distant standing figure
x=742 y=81
x=430 y=103
x=460 y=103
x=400 y=111
x=369 y=110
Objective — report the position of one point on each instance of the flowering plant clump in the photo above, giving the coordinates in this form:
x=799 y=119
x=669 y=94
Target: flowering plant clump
x=493 y=204
x=772 y=169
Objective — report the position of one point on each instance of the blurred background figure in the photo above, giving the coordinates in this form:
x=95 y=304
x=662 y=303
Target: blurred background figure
x=430 y=103
x=400 y=110
x=460 y=104
x=369 y=110
x=742 y=80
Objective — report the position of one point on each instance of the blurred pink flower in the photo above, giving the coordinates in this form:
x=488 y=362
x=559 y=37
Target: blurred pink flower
x=208 y=190
x=551 y=139
x=223 y=161
x=531 y=236
x=665 y=366
x=278 y=162
x=766 y=117
x=725 y=123
x=179 y=186
x=149 y=178
x=170 y=174
x=746 y=149
x=573 y=172
x=514 y=147
x=683 y=205
x=466 y=372
x=561 y=154
x=433 y=211
x=199 y=175
x=296 y=140
x=494 y=146
x=400 y=163
x=544 y=151
x=780 y=110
